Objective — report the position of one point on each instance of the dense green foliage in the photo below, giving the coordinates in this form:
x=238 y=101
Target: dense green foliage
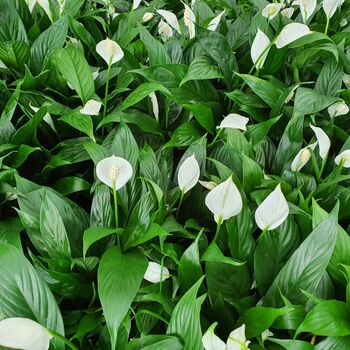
x=63 y=261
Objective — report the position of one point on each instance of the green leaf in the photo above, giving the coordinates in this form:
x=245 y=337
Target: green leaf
x=11 y=25
x=20 y=288
x=305 y=268
x=328 y=318
x=258 y=319
x=185 y=319
x=140 y=93
x=14 y=54
x=258 y=132
x=293 y=344
x=203 y=115
x=74 y=67
x=119 y=269
x=52 y=229
x=155 y=342
x=52 y=38
x=81 y=122
x=10 y=230
x=213 y=253
x=202 y=68
x=184 y=135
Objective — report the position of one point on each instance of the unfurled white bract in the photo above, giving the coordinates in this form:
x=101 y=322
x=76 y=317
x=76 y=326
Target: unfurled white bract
x=156 y=273
x=190 y=20
x=290 y=33
x=324 y=143
x=188 y=174
x=214 y=23
x=234 y=121
x=114 y=170
x=136 y=4
x=270 y=11
x=302 y=158
x=24 y=334
x=171 y=19
x=330 y=6
x=343 y=157
x=273 y=211
x=110 y=51
x=259 y=49
x=338 y=108
x=224 y=201
x=307 y=8
x=236 y=340
x=91 y=107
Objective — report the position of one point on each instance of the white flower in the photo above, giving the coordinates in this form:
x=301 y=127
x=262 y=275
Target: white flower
x=224 y=201
x=330 y=6
x=209 y=185
x=324 y=143
x=288 y=12
x=155 y=105
x=155 y=273
x=302 y=157
x=214 y=23
x=265 y=334
x=190 y=20
x=344 y=157
x=170 y=18
x=307 y=8
x=235 y=341
x=147 y=17
x=46 y=7
x=110 y=51
x=2 y=64
x=91 y=107
x=136 y=4
x=271 y=10
x=234 y=121
x=31 y=4
x=290 y=33
x=95 y=73
x=188 y=174
x=272 y=212
x=164 y=30
x=343 y=22
x=259 y=46
x=346 y=80
x=23 y=333
x=338 y=108
x=114 y=170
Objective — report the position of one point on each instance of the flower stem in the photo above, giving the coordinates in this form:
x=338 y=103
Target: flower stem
x=327 y=26
x=107 y=87
x=315 y=165
x=218 y=227
x=313 y=339
x=66 y=341
x=129 y=23
x=215 y=138
x=181 y=199
x=263 y=233
x=115 y=198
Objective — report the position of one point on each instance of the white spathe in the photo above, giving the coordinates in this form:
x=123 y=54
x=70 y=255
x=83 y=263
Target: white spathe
x=47 y=117
x=259 y=49
x=343 y=157
x=330 y=6
x=287 y=12
x=302 y=158
x=23 y=333
x=156 y=273
x=91 y=107
x=271 y=10
x=209 y=185
x=272 y=212
x=164 y=30
x=136 y=4
x=224 y=201
x=338 y=108
x=147 y=17
x=236 y=340
x=155 y=105
x=324 y=143
x=214 y=23
x=190 y=20
x=46 y=7
x=346 y=80
x=307 y=8
x=188 y=174
x=170 y=18
x=110 y=51
x=114 y=170
x=234 y=121
x=290 y=33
